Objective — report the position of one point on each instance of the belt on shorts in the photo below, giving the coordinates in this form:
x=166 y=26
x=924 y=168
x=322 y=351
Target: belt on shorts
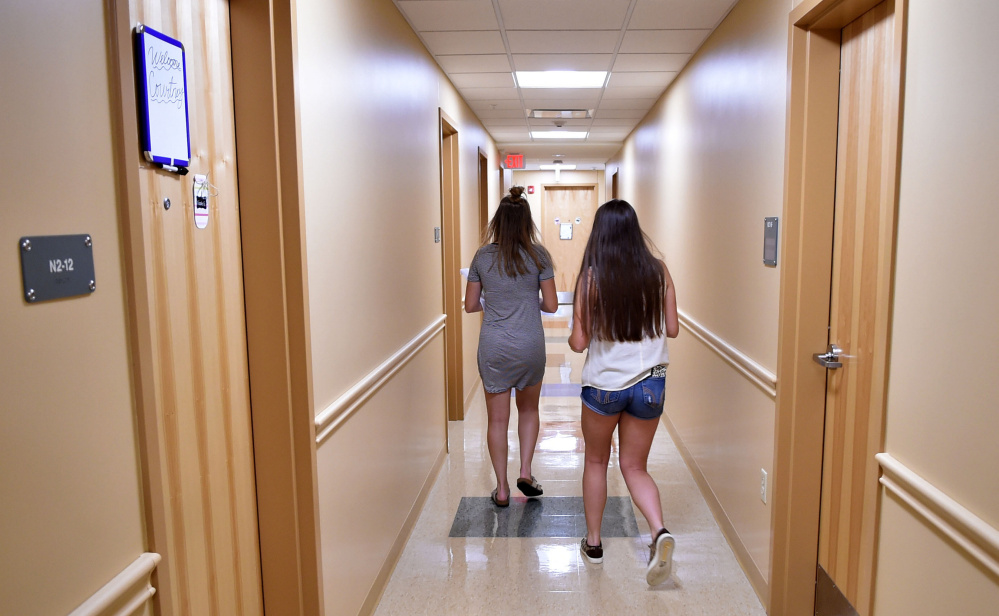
x=658 y=371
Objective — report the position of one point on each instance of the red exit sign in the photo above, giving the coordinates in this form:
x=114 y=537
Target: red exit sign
x=514 y=161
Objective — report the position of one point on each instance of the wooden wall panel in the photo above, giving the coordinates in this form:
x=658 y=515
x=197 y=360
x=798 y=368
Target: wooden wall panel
x=199 y=338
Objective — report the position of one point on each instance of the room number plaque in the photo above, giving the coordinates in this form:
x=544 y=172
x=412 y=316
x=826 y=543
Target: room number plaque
x=56 y=266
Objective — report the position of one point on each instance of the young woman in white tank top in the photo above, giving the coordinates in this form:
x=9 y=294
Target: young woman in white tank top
x=624 y=310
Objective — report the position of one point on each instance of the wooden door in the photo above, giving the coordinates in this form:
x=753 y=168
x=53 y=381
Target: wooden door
x=451 y=254
x=202 y=452
x=567 y=204
x=858 y=317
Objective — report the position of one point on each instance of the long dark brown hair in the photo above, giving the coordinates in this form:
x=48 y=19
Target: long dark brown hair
x=621 y=279
x=512 y=228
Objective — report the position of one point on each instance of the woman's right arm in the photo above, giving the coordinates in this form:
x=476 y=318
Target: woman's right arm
x=473 y=292
x=669 y=306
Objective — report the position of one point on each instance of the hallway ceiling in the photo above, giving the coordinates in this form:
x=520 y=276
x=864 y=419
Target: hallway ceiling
x=643 y=44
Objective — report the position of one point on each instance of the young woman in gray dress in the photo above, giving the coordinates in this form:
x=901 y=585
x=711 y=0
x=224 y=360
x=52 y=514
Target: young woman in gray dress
x=623 y=313
x=503 y=281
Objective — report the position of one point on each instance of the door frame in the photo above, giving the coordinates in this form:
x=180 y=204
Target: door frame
x=451 y=249
x=272 y=227
x=483 y=194
x=809 y=198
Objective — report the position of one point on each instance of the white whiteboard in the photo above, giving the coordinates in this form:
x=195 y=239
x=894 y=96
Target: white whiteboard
x=162 y=68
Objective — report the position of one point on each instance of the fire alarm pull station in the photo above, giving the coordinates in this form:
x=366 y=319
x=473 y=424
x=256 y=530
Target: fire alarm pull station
x=530 y=190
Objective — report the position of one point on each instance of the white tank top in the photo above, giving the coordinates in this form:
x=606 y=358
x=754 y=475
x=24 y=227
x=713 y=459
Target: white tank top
x=614 y=366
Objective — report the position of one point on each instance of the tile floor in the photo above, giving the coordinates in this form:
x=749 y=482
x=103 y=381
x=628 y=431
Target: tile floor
x=495 y=563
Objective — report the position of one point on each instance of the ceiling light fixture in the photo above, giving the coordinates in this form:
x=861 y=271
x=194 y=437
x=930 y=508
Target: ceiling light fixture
x=558 y=134
x=554 y=167
x=561 y=79
x=557 y=166
x=561 y=114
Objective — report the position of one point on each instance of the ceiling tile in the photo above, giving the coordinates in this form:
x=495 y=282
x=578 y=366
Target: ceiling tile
x=627 y=103
x=563 y=62
x=542 y=152
x=483 y=80
x=640 y=79
x=576 y=41
x=493 y=104
x=630 y=62
x=468 y=42
x=466 y=39
x=620 y=114
x=495 y=63
x=600 y=129
x=507 y=135
x=492 y=123
x=634 y=92
x=496 y=114
x=449 y=14
x=679 y=14
x=662 y=41
x=609 y=132
x=479 y=94
x=563 y=14
x=614 y=122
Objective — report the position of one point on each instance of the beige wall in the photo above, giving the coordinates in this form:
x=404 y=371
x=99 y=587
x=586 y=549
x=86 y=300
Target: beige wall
x=703 y=170
x=941 y=420
x=71 y=510
x=369 y=95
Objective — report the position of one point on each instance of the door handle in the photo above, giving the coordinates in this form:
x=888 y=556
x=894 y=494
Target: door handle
x=829 y=359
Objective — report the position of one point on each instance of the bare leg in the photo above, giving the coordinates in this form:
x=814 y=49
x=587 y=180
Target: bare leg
x=597 y=432
x=528 y=425
x=498 y=411
x=635 y=436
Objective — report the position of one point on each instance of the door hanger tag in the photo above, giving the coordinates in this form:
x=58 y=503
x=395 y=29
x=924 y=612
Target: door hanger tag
x=201 y=201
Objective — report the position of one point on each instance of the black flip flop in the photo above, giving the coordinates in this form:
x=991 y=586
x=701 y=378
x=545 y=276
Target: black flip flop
x=530 y=487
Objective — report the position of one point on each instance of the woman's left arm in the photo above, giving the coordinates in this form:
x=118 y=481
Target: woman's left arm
x=669 y=306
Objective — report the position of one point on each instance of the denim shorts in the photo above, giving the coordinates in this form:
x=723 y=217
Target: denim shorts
x=643 y=400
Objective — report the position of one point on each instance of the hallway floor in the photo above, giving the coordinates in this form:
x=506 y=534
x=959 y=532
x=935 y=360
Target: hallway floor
x=466 y=556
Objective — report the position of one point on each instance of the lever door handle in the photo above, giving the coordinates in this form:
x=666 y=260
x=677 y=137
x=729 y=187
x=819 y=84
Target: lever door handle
x=829 y=359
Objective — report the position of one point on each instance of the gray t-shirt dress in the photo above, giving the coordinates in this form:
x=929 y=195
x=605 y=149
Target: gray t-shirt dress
x=512 y=340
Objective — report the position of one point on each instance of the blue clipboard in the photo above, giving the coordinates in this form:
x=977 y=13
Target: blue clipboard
x=162 y=83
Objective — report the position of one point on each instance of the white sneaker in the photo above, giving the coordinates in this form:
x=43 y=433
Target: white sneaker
x=660 y=558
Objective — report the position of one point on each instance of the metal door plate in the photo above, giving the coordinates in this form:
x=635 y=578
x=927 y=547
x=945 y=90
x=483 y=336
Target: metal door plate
x=56 y=266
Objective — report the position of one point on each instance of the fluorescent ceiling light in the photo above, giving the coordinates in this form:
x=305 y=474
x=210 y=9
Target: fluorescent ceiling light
x=564 y=114
x=558 y=166
x=561 y=79
x=558 y=134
